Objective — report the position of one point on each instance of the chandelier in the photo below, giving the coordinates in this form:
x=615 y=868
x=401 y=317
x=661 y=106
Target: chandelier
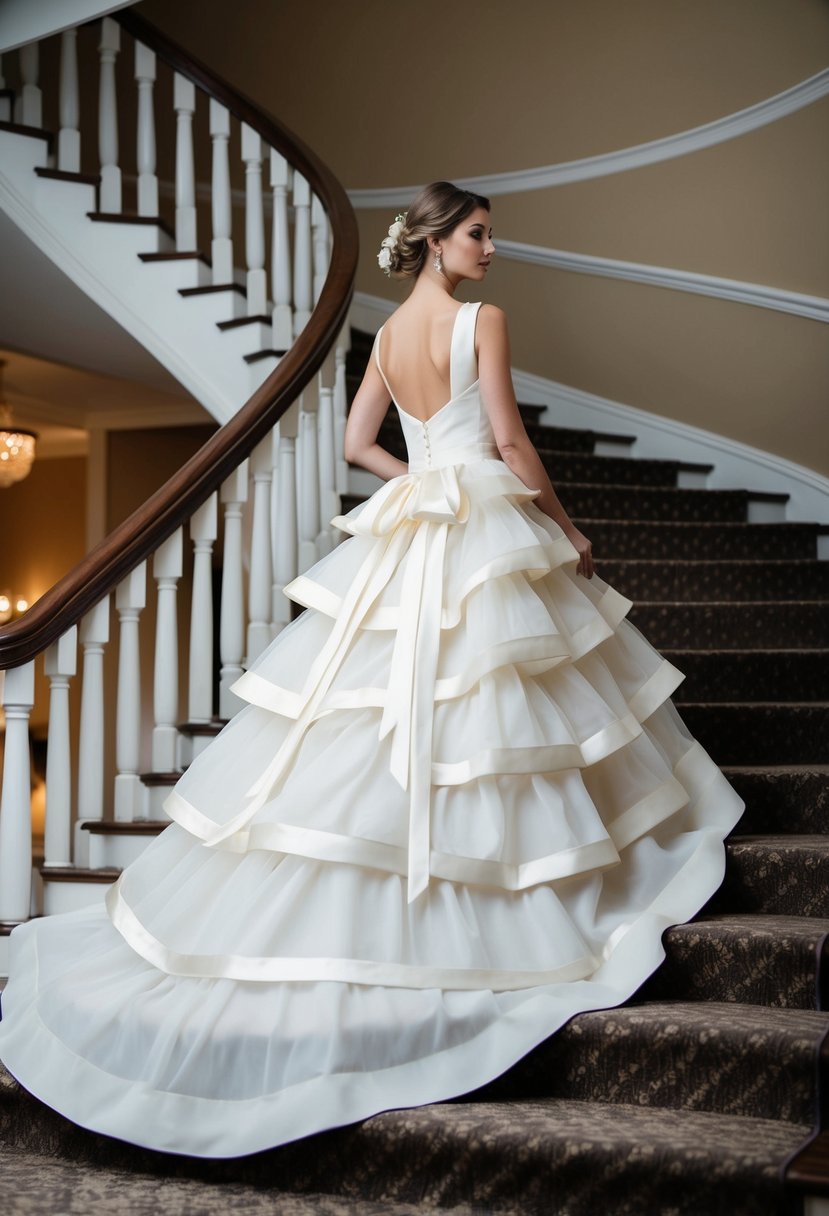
x=17 y=445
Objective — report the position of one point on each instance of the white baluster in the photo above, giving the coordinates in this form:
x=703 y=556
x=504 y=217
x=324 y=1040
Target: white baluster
x=184 y=103
x=285 y=554
x=145 y=141
x=60 y=664
x=69 y=139
x=321 y=244
x=18 y=694
x=341 y=409
x=167 y=570
x=94 y=635
x=203 y=532
x=221 y=245
x=281 y=253
x=302 y=253
x=234 y=493
x=109 y=46
x=130 y=599
x=5 y=107
x=260 y=581
x=257 y=283
x=309 y=481
x=31 y=98
x=329 y=502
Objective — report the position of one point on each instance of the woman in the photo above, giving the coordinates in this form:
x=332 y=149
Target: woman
x=458 y=809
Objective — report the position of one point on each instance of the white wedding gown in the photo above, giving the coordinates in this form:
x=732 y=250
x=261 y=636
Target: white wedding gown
x=458 y=808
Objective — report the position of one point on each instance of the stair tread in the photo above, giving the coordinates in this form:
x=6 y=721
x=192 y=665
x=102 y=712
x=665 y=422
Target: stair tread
x=119 y=1191
x=19 y=128
x=518 y=1151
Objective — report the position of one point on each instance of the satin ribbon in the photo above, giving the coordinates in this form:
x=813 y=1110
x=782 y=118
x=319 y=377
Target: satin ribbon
x=410 y=516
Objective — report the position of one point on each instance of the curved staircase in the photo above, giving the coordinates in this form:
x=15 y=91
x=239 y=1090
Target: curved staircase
x=698 y=1095
x=695 y=1097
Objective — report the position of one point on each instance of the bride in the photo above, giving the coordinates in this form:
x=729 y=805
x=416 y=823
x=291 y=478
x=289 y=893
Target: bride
x=458 y=808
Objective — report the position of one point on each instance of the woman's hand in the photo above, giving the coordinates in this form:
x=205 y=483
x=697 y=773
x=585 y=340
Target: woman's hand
x=584 y=548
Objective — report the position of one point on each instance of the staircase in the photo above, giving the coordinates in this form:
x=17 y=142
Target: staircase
x=698 y=1095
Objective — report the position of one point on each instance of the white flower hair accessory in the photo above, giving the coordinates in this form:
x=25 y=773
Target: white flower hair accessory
x=389 y=243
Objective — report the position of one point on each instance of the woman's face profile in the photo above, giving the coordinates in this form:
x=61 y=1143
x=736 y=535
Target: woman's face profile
x=467 y=251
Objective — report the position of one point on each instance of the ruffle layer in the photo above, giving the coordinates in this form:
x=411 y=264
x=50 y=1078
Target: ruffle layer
x=401 y=893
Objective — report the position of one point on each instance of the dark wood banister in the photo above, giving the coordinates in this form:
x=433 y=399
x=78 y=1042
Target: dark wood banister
x=103 y=568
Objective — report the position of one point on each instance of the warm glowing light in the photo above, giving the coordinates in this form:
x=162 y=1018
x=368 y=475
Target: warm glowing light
x=11 y=606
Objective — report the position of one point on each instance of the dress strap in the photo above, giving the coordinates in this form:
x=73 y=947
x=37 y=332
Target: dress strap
x=463 y=365
x=377 y=361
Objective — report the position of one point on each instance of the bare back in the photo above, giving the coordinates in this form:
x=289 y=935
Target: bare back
x=414 y=355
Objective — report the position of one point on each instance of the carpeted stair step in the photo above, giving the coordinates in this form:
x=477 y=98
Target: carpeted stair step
x=735 y=579
x=35 y=1184
x=615 y=539
x=779 y=961
x=679 y=1055
x=662 y=503
x=789 y=798
x=534 y=1157
x=760 y=732
x=752 y=675
x=566 y=466
x=71 y=1188
x=801 y=624
x=775 y=876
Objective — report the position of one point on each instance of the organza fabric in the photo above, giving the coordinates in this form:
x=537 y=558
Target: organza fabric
x=458 y=808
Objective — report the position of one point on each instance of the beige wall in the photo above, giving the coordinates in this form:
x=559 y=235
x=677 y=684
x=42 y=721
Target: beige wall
x=391 y=95
x=42 y=523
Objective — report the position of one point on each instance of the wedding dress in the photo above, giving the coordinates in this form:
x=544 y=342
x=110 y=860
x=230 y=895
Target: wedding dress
x=458 y=808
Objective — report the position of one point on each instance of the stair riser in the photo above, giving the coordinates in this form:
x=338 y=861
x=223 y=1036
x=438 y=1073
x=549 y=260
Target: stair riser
x=67 y=896
x=646 y=503
x=746 y=676
x=608 y=470
x=788 y=881
x=717 y=581
x=115 y=850
x=607 y=1057
x=796 y=801
x=733 y=626
x=617 y=540
x=760 y=734
x=758 y=967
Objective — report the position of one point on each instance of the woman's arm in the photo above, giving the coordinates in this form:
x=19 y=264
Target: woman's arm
x=368 y=409
x=508 y=427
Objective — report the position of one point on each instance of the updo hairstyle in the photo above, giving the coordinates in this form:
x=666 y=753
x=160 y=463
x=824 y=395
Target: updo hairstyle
x=435 y=211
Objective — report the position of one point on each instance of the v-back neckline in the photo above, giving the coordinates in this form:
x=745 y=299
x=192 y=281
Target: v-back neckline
x=423 y=421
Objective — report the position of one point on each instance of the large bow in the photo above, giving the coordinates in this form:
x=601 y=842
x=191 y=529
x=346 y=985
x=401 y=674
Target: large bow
x=409 y=516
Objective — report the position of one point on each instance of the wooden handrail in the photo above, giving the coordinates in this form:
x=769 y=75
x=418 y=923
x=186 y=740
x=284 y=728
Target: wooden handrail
x=103 y=568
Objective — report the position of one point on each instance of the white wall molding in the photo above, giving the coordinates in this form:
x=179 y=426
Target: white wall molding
x=731 y=126
x=736 y=465
x=758 y=294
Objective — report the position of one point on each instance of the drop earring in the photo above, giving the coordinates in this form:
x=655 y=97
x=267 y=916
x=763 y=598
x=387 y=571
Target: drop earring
x=438 y=265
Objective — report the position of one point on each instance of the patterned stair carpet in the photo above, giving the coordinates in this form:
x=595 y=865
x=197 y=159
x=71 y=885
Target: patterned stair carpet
x=691 y=1098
